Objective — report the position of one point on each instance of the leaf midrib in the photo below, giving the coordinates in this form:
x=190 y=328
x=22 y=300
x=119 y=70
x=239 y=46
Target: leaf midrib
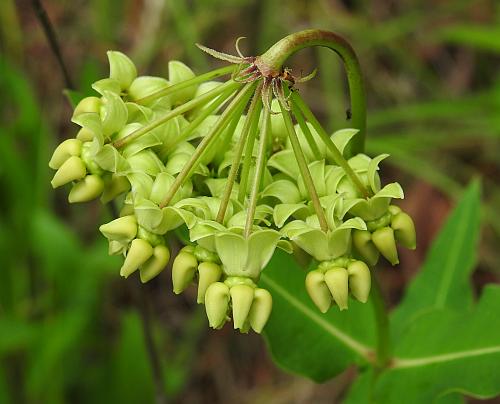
x=450 y=264
x=401 y=363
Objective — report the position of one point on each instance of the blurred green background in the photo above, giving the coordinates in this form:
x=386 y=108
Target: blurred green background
x=71 y=330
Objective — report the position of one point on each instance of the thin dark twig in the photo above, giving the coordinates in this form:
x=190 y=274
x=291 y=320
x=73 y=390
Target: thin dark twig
x=51 y=36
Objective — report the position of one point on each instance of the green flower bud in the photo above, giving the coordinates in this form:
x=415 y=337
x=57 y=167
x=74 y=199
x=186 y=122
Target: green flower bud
x=337 y=280
x=318 y=291
x=88 y=104
x=123 y=229
x=115 y=247
x=116 y=185
x=217 y=304
x=146 y=161
x=178 y=72
x=152 y=238
x=404 y=230
x=121 y=68
x=384 y=241
x=183 y=270
x=241 y=299
x=260 y=310
x=139 y=252
x=362 y=240
x=88 y=157
x=68 y=148
x=127 y=210
x=85 y=135
x=71 y=170
x=155 y=264
x=359 y=280
x=146 y=85
x=393 y=209
x=208 y=273
x=87 y=189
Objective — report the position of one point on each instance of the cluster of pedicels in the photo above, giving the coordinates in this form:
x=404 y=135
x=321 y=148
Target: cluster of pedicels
x=225 y=161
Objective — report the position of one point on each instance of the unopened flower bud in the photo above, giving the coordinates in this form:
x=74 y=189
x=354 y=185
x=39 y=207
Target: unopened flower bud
x=116 y=185
x=71 y=170
x=121 y=68
x=337 y=280
x=68 y=148
x=146 y=85
x=217 y=304
x=208 y=273
x=241 y=299
x=139 y=252
x=318 y=291
x=359 y=280
x=88 y=104
x=183 y=270
x=260 y=310
x=362 y=240
x=155 y=264
x=384 y=241
x=178 y=72
x=87 y=189
x=115 y=247
x=85 y=135
x=123 y=229
x=404 y=230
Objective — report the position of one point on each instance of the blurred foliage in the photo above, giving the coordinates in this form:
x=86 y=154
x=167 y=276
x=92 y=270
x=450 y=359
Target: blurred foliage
x=70 y=330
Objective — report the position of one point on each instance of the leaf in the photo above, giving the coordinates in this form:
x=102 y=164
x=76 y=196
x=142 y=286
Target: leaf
x=300 y=338
x=445 y=351
x=476 y=36
x=443 y=281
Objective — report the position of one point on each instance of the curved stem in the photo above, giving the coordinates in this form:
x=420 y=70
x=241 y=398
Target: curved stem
x=233 y=172
x=221 y=123
x=260 y=164
x=271 y=62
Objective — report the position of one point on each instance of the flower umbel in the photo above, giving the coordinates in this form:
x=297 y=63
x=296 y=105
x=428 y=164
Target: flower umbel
x=242 y=167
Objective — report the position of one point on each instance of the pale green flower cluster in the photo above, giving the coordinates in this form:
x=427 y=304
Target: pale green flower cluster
x=186 y=153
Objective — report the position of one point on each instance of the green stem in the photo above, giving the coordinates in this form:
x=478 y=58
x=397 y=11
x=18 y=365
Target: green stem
x=271 y=64
x=305 y=130
x=382 y=321
x=233 y=172
x=260 y=164
x=304 y=170
x=337 y=155
x=195 y=123
x=221 y=123
x=247 y=161
x=202 y=99
x=187 y=83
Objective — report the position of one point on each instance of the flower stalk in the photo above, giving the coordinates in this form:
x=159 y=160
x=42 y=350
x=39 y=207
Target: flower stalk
x=222 y=122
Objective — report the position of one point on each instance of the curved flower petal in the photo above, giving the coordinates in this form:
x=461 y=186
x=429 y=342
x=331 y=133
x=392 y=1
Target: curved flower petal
x=285 y=162
x=283 y=190
x=284 y=211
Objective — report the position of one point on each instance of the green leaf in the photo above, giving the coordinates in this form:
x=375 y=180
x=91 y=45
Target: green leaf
x=300 y=338
x=446 y=351
x=443 y=281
